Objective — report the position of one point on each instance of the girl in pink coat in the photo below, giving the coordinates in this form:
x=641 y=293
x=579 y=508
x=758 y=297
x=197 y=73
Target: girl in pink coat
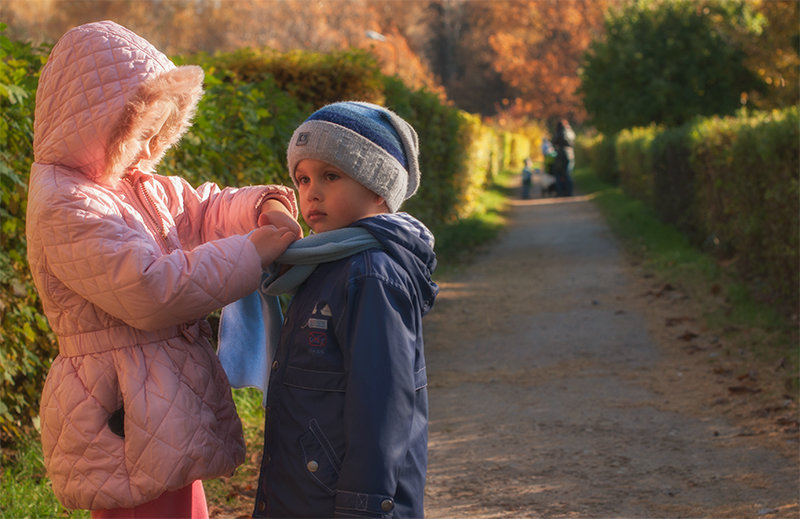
x=136 y=409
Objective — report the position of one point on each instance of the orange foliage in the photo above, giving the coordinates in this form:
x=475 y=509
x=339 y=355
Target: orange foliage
x=537 y=49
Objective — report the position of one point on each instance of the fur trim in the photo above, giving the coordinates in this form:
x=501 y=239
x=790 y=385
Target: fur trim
x=181 y=86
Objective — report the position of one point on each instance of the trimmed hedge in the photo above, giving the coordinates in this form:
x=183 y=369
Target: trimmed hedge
x=635 y=163
x=254 y=100
x=601 y=152
x=25 y=337
x=730 y=184
x=746 y=173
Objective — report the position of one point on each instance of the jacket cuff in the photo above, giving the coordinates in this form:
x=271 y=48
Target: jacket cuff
x=280 y=193
x=354 y=504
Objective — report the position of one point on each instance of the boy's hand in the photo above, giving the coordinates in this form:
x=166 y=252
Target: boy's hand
x=271 y=242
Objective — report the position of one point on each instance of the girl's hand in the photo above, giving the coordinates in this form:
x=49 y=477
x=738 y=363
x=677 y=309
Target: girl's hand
x=272 y=241
x=280 y=219
x=273 y=212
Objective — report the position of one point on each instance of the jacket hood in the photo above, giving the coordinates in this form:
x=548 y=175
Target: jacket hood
x=99 y=82
x=410 y=243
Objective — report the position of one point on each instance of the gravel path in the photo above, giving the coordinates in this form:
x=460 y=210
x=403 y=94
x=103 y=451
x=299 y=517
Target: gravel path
x=564 y=382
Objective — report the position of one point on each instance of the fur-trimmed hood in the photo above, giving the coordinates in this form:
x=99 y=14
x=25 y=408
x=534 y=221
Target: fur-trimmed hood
x=99 y=81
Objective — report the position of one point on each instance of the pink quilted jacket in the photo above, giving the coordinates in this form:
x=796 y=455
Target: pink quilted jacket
x=127 y=269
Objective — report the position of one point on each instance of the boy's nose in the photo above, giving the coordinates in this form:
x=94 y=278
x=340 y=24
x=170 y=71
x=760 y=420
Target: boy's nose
x=312 y=193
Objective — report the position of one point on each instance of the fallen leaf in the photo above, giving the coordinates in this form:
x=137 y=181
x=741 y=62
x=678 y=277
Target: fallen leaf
x=743 y=389
x=672 y=321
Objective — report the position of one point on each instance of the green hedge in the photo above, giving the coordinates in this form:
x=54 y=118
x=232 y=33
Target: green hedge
x=25 y=338
x=746 y=173
x=635 y=163
x=254 y=100
x=730 y=184
x=674 y=182
x=601 y=152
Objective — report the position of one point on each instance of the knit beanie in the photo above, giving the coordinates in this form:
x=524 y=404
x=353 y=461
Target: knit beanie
x=372 y=144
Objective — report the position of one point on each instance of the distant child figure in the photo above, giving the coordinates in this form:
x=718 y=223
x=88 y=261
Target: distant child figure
x=136 y=409
x=527 y=178
x=347 y=406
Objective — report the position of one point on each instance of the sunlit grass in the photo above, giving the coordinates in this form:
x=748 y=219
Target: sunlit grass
x=25 y=491
x=729 y=308
x=458 y=242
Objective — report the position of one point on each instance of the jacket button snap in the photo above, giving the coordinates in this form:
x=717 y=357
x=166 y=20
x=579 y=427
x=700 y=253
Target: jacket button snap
x=312 y=466
x=261 y=506
x=274 y=365
x=387 y=505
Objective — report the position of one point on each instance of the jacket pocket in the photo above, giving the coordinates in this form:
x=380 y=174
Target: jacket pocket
x=315 y=380
x=321 y=462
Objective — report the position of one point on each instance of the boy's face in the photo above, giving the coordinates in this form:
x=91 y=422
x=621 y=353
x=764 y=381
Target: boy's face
x=330 y=199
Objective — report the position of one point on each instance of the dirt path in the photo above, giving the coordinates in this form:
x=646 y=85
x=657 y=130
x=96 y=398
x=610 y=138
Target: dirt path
x=565 y=382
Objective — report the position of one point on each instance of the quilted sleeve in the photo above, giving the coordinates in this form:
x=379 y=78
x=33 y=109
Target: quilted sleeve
x=120 y=268
x=209 y=213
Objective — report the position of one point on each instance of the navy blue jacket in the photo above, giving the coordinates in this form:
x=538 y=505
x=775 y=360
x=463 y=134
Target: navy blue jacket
x=346 y=428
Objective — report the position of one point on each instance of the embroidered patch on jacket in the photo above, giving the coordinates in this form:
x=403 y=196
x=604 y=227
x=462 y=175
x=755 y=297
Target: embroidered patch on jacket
x=317 y=324
x=317 y=340
x=302 y=139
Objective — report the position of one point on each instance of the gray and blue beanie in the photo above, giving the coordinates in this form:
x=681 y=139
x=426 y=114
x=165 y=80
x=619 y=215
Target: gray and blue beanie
x=370 y=143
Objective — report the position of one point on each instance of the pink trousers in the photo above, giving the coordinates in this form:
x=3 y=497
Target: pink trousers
x=187 y=503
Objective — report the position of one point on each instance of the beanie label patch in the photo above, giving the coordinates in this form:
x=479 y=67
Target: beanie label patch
x=302 y=139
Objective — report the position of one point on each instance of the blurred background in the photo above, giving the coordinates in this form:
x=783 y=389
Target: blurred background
x=504 y=59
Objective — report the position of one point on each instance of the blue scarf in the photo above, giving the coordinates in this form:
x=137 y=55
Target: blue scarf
x=250 y=328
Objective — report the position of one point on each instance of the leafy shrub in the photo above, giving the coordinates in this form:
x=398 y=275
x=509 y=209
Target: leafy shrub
x=239 y=135
x=635 y=162
x=312 y=79
x=443 y=155
x=666 y=62
x=729 y=184
x=674 y=182
x=600 y=153
x=26 y=342
x=747 y=186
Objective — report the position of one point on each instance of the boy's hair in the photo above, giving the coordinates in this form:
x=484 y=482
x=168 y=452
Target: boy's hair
x=370 y=143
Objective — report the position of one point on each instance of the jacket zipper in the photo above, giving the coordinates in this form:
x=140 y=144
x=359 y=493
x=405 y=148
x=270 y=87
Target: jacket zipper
x=155 y=224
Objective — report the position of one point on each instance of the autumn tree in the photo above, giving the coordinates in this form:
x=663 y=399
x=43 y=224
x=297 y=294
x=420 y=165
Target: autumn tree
x=537 y=50
x=773 y=54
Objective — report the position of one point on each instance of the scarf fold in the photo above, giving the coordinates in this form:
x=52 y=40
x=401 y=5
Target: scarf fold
x=250 y=328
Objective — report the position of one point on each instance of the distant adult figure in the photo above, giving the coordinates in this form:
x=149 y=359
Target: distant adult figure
x=548 y=155
x=563 y=141
x=527 y=178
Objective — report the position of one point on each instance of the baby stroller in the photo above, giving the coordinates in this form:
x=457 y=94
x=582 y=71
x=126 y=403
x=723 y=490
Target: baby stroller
x=546 y=183
x=545 y=179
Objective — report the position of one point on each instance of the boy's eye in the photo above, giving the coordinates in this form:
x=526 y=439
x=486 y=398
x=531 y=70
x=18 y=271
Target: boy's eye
x=302 y=180
x=330 y=175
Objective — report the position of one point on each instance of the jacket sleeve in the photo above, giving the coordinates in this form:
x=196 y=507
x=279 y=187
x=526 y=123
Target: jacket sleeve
x=208 y=212
x=118 y=267
x=379 y=405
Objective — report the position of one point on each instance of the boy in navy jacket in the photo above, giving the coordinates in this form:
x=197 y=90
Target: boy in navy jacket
x=347 y=407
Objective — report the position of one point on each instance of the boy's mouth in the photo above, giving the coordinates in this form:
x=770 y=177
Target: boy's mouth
x=314 y=215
